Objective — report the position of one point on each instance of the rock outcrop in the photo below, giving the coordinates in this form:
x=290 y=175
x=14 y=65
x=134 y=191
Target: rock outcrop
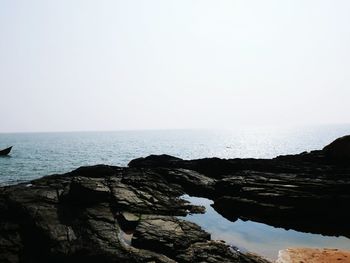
x=81 y=216
x=308 y=192
x=339 y=150
x=86 y=214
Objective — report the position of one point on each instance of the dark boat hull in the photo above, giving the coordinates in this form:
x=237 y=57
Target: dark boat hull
x=5 y=151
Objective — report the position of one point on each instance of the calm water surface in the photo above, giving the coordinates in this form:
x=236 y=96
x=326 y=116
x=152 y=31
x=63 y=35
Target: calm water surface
x=256 y=237
x=38 y=154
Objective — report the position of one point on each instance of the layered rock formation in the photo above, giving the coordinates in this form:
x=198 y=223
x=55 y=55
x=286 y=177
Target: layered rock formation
x=86 y=214
x=309 y=192
x=81 y=216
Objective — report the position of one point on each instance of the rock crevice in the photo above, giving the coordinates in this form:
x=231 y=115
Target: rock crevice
x=80 y=215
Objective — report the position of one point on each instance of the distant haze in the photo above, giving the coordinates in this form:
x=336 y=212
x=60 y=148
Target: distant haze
x=108 y=65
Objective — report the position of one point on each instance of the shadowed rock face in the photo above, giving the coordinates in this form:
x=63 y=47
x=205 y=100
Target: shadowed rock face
x=308 y=192
x=80 y=216
x=339 y=150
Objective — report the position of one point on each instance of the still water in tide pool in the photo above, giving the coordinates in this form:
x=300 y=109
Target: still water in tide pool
x=38 y=154
x=262 y=239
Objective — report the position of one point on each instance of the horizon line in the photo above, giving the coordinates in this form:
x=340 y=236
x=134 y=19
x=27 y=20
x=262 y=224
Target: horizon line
x=182 y=129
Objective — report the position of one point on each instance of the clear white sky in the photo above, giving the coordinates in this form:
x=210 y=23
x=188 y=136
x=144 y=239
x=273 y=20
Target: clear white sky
x=109 y=65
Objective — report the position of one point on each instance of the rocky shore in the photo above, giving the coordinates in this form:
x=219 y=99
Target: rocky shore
x=86 y=214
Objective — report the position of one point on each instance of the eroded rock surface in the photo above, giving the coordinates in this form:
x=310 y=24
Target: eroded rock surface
x=80 y=216
x=309 y=192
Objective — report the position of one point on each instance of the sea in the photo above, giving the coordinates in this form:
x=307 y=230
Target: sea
x=38 y=154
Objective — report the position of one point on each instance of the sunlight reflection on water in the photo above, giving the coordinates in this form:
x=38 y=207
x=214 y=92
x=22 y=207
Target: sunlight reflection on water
x=38 y=154
x=256 y=237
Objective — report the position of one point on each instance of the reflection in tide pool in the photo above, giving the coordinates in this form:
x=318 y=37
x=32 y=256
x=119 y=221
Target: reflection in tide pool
x=255 y=237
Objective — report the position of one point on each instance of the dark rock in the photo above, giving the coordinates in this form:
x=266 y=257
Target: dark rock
x=80 y=216
x=11 y=243
x=184 y=241
x=212 y=167
x=281 y=199
x=143 y=191
x=99 y=171
x=339 y=150
x=193 y=183
x=88 y=190
x=152 y=161
x=220 y=168
x=276 y=191
x=216 y=252
x=167 y=235
x=128 y=221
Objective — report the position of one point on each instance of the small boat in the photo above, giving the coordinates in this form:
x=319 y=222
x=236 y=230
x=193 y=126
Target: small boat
x=6 y=151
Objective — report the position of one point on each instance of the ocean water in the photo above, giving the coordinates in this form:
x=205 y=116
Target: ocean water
x=39 y=154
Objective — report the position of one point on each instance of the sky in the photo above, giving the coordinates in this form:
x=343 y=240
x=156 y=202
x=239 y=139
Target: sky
x=159 y=64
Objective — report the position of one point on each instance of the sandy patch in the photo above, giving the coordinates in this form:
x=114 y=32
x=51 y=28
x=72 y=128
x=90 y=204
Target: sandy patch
x=312 y=255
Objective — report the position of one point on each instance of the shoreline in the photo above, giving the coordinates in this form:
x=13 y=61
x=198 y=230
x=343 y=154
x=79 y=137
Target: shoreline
x=78 y=211
x=313 y=255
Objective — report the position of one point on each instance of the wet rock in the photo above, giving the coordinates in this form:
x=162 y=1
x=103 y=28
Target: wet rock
x=144 y=191
x=278 y=191
x=167 y=235
x=88 y=190
x=184 y=241
x=216 y=252
x=193 y=183
x=130 y=217
x=128 y=221
x=307 y=204
x=79 y=216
